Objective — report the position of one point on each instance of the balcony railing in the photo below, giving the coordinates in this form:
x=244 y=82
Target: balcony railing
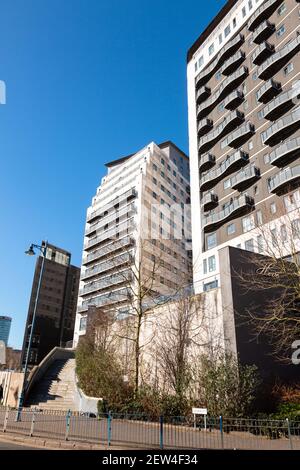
x=282 y=128
x=280 y=105
x=209 y=201
x=109 y=265
x=241 y=135
x=225 y=52
x=107 y=249
x=263 y=32
x=262 y=52
x=112 y=233
x=228 y=124
x=206 y=161
x=228 y=85
x=286 y=152
x=268 y=91
x=128 y=211
x=106 y=282
x=229 y=165
x=263 y=13
x=234 y=100
x=204 y=126
x=285 y=181
x=245 y=178
x=233 y=63
x=131 y=193
x=202 y=94
x=236 y=208
x=279 y=59
x=118 y=296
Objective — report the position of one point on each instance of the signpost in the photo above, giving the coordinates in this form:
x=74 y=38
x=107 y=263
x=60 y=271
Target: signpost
x=202 y=412
x=2 y=353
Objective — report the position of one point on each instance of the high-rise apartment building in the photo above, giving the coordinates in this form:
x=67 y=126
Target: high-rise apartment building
x=244 y=129
x=56 y=307
x=140 y=214
x=5 y=324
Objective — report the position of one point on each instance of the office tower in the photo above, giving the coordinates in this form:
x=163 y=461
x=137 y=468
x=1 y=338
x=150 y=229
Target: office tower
x=140 y=213
x=56 y=307
x=5 y=324
x=244 y=121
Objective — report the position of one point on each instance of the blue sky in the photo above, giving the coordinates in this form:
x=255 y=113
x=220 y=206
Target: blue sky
x=87 y=82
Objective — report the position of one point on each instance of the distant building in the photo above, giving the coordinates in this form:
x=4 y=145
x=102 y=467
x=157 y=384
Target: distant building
x=12 y=359
x=5 y=324
x=56 y=308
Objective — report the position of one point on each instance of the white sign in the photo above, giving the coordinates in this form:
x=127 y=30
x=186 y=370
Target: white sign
x=2 y=352
x=199 y=411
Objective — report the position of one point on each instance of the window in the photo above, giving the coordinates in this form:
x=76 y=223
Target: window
x=244 y=12
x=234 y=22
x=288 y=68
x=205 y=266
x=250 y=4
x=273 y=208
x=200 y=61
x=196 y=66
x=218 y=75
x=254 y=76
x=248 y=223
x=211 y=241
x=227 y=31
x=255 y=190
x=230 y=229
x=281 y=9
x=154 y=180
x=259 y=217
x=274 y=237
x=211 y=264
x=210 y=285
x=154 y=195
x=296 y=228
x=162 y=161
x=82 y=324
x=154 y=167
x=227 y=183
x=260 y=244
x=221 y=107
x=266 y=158
x=280 y=31
x=250 y=145
x=211 y=49
x=220 y=38
x=260 y=114
x=283 y=233
x=249 y=245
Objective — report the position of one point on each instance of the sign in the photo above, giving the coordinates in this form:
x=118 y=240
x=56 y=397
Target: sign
x=2 y=352
x=199 y=411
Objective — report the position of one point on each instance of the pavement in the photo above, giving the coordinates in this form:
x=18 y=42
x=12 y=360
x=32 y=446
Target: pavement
x=12 y=446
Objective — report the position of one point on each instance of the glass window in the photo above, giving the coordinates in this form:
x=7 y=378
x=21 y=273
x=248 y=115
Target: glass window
x=210 y=285
x=227 y=183
x=205 y=266
x=260 y=244
x=250 y=145
x=234 y=22
x=162 y=161
x=260 y=114
x=248 y=223
x=82 y=324
x=211 y=49
x=220 y=38
x=266 y=158
x=246 y=105
x=230 y=229
x=259 y=217
x=273 y=208
x=250 y=4
x=281 y=9
x=211 y=240
x=154 y=167
x=296 y=228
x=227 y=31
x=281 y=31
x=274 y=236
x=244 y=12
x=154 y=180
x=283 y=233
x=288 y=68
x=218 y=75
x=254 y=76
x=221 y=107
x=249 y=245
x=211 y=264
x=200 y=61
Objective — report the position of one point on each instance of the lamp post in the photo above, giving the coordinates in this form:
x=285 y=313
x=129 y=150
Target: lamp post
x=31 y=252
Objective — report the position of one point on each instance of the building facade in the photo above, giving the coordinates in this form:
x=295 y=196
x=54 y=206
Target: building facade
x=138 y=217
x=5 y=324
x=56 y=307
x=244 y=130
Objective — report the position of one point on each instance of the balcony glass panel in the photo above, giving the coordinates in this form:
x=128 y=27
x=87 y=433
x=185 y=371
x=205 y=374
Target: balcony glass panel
x=279 y=59
x=282 y=128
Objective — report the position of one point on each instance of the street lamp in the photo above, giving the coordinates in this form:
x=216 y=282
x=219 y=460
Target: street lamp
x=31 y=252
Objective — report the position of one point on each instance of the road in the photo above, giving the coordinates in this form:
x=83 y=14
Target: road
x=12 y=446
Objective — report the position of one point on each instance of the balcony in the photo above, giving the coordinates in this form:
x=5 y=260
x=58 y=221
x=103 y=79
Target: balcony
x=263 y=32
x=228 y=85
x=202 y=94
x=231 y=163
x=118 y=200
x=241 y=135
x=234 y=119
x=262 y=52
x=245 y=178
x=233 y=63
x=280 y=105
x=282 y=128
x=285 y=181
x=206 y=162
x=286 y=152
x=112 y=233
x=268 y=91
x=113 y=263
x=279 y=59
x=234 y=100
x=117 y=296
x=237 y=208
x=204 y=126
x=105 y=250
x=209 y=201
x=224 y=54
x=126 y=211
x=263 y=13
x=106 y=282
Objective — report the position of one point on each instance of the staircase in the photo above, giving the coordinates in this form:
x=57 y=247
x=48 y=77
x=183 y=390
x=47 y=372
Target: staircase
x=55 y=390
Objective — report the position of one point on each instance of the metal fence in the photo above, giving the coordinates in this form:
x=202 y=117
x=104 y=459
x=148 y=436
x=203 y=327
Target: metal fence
x=140 y=431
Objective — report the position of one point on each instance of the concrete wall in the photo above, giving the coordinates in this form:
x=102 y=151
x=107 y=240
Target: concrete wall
x=12 y=385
